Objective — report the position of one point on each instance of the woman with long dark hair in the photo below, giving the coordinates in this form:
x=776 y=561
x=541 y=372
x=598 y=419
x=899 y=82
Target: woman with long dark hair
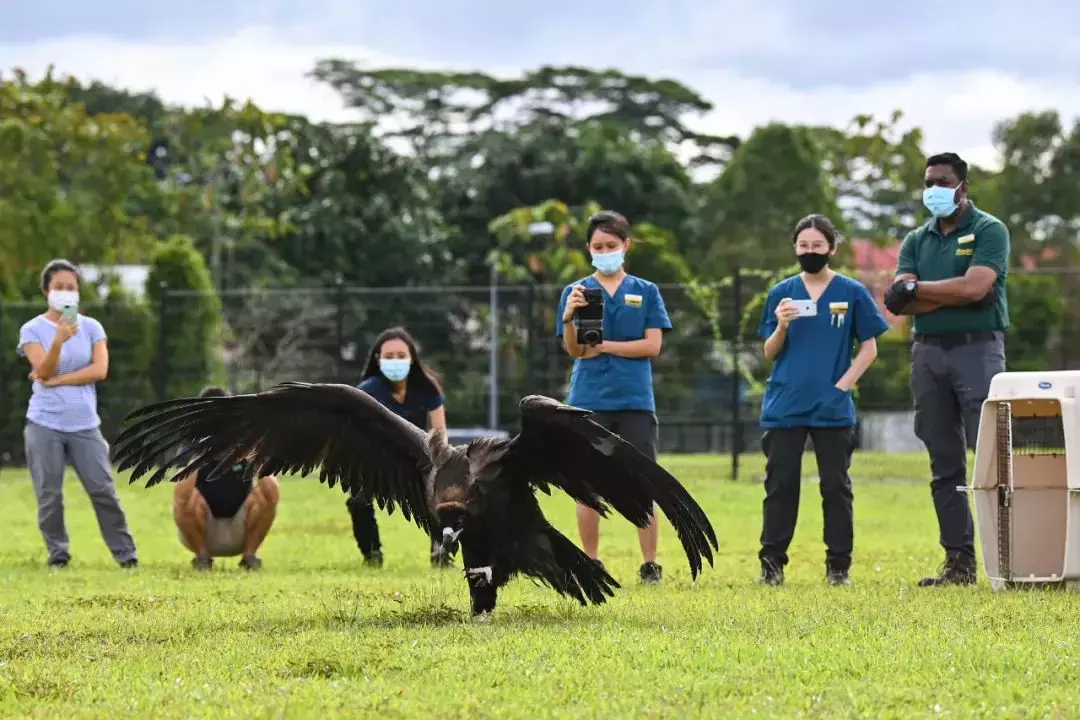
x=397 y=377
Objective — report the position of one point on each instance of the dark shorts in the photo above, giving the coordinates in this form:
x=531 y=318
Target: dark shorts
x=638 y=427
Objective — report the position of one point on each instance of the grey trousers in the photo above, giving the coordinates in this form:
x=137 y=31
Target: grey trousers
x=47 y=452
x=950 y=379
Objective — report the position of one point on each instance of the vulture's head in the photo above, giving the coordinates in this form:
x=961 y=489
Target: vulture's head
x=456 y=500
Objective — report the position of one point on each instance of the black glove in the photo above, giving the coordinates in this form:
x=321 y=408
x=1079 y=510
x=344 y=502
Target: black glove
x=900 y=295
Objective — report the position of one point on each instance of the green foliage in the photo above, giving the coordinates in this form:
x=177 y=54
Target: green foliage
x=1036 y=193
x=189 y=317
x=1035 y=309
x=876 y=172
x=774 y=179
x=69 y=182
x=130 y=325
x=441 y=111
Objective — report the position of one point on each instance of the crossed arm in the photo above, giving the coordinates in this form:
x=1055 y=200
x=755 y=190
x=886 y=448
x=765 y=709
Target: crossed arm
x=970 y=287
x=44 y=364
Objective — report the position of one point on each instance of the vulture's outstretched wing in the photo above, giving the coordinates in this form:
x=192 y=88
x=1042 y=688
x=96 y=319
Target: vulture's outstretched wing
x=560 y=445
x=290 y=428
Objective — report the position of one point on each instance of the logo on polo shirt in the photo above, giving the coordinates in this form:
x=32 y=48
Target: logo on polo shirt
x=633 y=300
x=964 y=251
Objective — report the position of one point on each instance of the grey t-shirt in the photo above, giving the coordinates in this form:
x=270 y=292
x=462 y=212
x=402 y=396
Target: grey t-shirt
x=67 y=408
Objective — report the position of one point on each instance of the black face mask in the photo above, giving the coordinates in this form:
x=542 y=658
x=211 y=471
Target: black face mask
x=813 y=262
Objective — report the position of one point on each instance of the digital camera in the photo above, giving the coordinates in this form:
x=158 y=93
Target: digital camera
x=590 y=319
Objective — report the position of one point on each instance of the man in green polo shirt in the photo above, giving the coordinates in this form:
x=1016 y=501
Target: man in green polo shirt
x=951 y=277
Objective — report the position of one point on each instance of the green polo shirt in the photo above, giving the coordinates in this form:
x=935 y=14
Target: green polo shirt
x=979 y=239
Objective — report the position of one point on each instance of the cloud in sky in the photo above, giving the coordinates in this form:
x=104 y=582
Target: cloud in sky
x=786 y=60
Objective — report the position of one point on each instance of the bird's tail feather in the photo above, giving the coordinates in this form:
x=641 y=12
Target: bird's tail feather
x=575 y=574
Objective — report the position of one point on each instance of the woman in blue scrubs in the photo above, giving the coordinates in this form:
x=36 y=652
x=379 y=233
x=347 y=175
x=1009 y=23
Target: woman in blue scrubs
x=396 y=376
x=809 y=394
x=614 y=379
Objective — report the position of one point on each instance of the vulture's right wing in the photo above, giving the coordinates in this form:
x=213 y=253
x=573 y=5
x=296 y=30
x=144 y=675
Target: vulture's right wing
x=291 y=428
x=560 y=445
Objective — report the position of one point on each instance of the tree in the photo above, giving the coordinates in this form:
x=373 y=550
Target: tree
x=230 y=169
x=438 y=111
x=365 y=214
x=876 y=173
x=1037 y=190
x=569 y=133
x=774 y=179
x=70 y=183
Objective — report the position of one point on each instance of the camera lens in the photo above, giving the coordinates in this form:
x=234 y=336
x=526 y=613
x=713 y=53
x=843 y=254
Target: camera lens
x=592 y=337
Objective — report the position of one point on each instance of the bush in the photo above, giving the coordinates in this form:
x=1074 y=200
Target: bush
x=188 y=319
x=1035 y=309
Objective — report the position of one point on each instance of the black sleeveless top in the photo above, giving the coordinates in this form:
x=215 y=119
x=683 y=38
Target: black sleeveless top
x=226 y=494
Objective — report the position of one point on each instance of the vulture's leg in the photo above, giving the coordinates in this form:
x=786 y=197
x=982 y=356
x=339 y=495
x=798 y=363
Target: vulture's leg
x=478 y=571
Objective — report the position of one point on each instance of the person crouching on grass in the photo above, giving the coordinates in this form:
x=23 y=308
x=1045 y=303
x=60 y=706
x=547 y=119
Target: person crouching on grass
x=809 y=393
x=227 y=516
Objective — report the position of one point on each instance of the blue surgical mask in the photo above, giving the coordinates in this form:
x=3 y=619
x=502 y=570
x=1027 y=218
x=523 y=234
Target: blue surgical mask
x=608 y=263
x=395 y=369
x=940 y=201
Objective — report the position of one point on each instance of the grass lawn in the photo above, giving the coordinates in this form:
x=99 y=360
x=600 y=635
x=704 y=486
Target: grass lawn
x=315 y=634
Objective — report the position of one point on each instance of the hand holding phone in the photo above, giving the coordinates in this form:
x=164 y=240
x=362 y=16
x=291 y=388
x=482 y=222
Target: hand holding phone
x=69 y=314
x=804 y=308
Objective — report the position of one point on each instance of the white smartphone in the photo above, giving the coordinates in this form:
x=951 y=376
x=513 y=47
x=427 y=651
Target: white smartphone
x=69 y=314
x=806 y=308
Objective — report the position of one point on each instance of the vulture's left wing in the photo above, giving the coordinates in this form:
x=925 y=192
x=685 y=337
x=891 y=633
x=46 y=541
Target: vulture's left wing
x=290 y=428
x=560 y=445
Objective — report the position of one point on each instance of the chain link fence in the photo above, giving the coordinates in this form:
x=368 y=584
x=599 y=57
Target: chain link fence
x=708 y=378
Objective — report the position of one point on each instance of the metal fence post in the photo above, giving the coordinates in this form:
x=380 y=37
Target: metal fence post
x=162 y=379
x=5 y=401
x=493 y=369
x=339 y=326
x=736 y=399
x=530 y=299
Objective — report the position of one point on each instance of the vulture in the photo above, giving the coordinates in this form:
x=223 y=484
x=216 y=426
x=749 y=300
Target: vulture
x=480 y=496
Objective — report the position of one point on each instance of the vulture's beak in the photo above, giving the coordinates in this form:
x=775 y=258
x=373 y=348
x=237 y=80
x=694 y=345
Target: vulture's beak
x=449 y=540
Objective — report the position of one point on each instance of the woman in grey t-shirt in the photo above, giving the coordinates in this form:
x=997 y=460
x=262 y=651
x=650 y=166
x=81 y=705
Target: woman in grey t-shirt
x=68 y=355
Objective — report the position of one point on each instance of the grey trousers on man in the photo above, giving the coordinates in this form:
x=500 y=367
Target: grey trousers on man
x=950 y=379
x=47 y=452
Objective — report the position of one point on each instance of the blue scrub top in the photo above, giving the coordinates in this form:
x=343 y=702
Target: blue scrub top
x=802 y=392
x=609 y=383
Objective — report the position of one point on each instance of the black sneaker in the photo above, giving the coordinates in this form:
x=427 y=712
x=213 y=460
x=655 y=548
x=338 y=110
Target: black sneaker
x=58 y=563
x=374 y=559
x=836 y=577
x=771 y=573
x=202 y=562
x=958 y=570
x=130 y=564
x=250 y=562
x=651 y=573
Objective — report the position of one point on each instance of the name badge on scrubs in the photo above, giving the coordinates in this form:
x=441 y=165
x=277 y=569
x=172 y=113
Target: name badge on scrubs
x=632 y=300
x=837 y=313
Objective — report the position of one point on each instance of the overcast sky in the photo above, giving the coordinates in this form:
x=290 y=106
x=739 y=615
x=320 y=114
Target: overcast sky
x=955 y=67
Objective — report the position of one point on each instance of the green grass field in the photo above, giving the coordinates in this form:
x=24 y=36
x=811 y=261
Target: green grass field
x=315 y=634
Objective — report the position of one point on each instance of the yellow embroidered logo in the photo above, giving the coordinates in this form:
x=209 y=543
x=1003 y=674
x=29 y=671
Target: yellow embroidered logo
x=966 y=239
x=838 y=307
x=633 y=300
x=964 y=251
